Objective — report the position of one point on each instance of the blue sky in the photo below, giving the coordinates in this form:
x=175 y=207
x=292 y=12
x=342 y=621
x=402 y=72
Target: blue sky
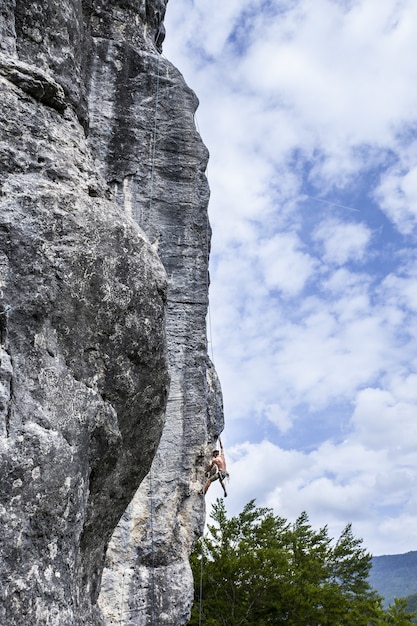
x=309 y=111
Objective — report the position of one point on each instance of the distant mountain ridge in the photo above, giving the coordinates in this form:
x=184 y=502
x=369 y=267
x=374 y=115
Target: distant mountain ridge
x=394 y=575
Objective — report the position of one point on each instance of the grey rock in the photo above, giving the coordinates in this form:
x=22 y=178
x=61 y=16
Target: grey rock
x=104 y=248
x=34 y=81
x=83 y=371
x=144 y=140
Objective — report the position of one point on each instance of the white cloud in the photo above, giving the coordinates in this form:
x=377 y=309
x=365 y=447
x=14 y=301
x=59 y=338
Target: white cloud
x=316 y=354
x=318 y=365
x=400 y=287
x=382 y=419
x=313 y=307
x=397 y=195
x=352 y=285
x=277 y=415
x=335 y=484
x=342 y=241
x=285 y=266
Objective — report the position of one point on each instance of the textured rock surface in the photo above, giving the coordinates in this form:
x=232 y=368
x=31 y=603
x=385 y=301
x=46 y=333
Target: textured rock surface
x=148 y=579
x=83 y=373
x=98 y=136
x=144 y=139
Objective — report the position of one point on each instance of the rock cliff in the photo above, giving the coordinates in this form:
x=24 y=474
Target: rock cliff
x=104 y=290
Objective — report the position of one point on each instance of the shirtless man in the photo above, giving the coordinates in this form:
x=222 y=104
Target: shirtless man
x=217 y=469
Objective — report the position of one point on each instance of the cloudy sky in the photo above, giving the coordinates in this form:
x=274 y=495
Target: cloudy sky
x=309 y=111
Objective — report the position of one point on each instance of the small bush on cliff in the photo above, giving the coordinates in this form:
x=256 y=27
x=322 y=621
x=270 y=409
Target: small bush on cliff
x=257 y=569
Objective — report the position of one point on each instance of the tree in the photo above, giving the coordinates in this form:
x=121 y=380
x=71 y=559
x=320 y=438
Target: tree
x=412 y=606
x=398 y=614
x=257 y=569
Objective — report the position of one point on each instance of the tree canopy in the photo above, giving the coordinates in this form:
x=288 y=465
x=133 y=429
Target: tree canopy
x=257 y=569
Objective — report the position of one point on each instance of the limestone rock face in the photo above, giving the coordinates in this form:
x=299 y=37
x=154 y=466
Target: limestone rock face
x=83 y=370
x=143 y=136
x=104 y=245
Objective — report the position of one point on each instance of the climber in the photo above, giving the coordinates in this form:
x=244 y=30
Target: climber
x=217 y=469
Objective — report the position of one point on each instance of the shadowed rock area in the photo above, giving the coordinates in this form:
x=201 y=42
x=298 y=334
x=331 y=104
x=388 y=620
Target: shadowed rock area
x=143 y=136
x=104 y=247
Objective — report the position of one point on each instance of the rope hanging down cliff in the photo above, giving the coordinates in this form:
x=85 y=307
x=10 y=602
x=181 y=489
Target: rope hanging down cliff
x=150 y=496
x=128 y=550
x=151 y=505
x=153 y=151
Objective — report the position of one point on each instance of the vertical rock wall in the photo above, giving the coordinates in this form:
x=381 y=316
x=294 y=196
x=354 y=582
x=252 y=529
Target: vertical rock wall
x=97 y=147
x=143 y=136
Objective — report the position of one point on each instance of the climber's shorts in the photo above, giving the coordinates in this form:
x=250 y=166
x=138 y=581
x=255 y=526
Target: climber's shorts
x=215 y=474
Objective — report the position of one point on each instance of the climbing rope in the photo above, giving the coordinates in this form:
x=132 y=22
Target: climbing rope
x=210 y=332
x=210 y=341
x=151 y=507
x=152 y=597
x=200 y=610
x=155 y=126
x=151 y=513
x=127 y=551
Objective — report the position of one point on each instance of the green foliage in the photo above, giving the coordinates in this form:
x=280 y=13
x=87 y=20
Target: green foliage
x=412 y=602
x=412 y=606
x=397 y=614
x=257 y=569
